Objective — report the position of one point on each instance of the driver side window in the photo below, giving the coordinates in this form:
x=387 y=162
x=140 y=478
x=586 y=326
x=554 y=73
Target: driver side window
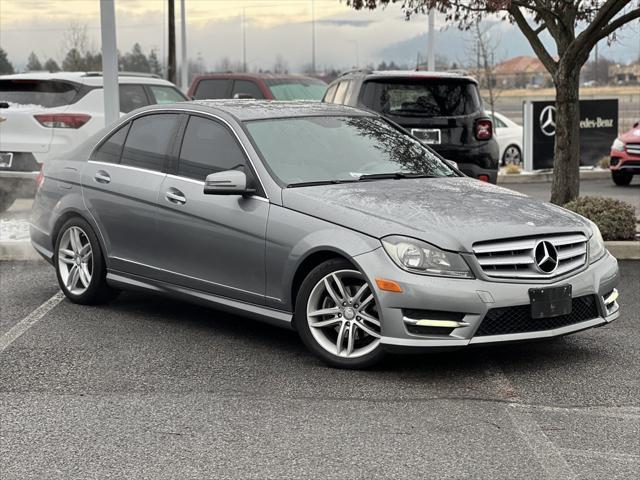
x=208 y=147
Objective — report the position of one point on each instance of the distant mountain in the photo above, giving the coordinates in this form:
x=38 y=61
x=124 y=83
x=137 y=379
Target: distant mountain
x=456 y=46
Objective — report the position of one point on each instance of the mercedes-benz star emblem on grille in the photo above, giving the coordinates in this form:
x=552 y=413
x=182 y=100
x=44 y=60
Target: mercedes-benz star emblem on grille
x=548 y=120
x=546 y=256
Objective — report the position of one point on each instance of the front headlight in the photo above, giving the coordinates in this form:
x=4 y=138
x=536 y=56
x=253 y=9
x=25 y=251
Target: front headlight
x=596 y=244
x=420 y=257
x=618 y=145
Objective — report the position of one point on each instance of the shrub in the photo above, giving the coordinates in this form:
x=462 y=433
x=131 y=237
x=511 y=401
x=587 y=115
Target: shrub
x=605 y=162
x=512 y=168
x=615 y=219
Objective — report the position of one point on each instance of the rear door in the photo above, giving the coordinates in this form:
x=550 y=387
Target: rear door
x=120 y=187
x=212 y=88
x=212 y=243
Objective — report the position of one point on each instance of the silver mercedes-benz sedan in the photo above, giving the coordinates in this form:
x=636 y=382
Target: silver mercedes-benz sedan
x=322 y=218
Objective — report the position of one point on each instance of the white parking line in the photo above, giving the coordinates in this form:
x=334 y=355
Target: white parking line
x=29 y=321
x=547 y=453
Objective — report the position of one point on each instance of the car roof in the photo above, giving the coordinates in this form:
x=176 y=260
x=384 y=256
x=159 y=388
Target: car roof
x=388 y=74
x=255 y=76
x=244 y=110
x=87 y=78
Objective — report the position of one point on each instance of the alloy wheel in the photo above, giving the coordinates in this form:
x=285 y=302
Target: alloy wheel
x=343 y=316
x=512 y=155
x=75 y=260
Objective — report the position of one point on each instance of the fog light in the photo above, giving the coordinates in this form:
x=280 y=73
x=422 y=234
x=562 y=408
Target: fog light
x=614 y=161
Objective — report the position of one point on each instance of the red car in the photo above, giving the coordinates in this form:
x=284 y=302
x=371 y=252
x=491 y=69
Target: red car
x=625 y=156
x=265 y=86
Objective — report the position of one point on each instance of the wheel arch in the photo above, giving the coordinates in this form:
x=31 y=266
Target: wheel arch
x=84 y=215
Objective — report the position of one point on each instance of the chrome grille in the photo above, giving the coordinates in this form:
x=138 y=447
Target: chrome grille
x=633 y=148
x=516 y=258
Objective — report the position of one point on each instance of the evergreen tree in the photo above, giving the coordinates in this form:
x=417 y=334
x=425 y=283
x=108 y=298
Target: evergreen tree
x=5 y=65
x=154 y=63
x=73 y=62
x=51 y=66
x=33 y=63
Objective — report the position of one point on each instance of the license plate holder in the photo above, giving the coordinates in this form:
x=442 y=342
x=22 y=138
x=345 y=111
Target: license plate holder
x=550 y=302
x=6 y=159
x=430 y=136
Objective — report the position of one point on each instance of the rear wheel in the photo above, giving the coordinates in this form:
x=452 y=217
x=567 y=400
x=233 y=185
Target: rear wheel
x=80 y=265
x=337 y=316
x=622 y=178
x=6 y=200
x=512 y=155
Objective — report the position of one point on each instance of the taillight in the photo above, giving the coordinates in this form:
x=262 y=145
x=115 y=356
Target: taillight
x=40 y=177
x=483 y=178
x=62 y=120
x=484 y=129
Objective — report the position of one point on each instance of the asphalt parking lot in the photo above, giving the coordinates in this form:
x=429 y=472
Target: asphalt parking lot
x=153 y=388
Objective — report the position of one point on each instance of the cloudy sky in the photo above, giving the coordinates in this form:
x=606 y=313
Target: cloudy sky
x=344 y=37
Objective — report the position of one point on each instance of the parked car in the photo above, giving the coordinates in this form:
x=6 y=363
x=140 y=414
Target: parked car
x=259 y=86
x=625 y=156
x=509 y=137
x=45 y=114
x=327 y=219
x=443 y=110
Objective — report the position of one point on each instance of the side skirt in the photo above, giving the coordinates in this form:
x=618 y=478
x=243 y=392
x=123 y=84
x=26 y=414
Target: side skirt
x=127 y=281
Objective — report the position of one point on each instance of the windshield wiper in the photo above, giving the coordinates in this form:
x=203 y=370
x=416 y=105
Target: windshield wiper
x=318 y=182
x=393 y=175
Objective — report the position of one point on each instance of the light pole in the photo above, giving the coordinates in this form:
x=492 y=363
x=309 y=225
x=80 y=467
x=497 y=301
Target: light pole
x=431 y=51
x=184 y=73
x=313 y=37
x=109 y=61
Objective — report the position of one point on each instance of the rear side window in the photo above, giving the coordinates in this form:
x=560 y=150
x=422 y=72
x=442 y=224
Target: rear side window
x=148 y=141
x=43 y=93
x=247 y=87
x=212 y=88
x=330 y=94
x=111 y=149
x=341 y=92
x=422 y=97
x=208 y=147
x=163 y=94
x=132 y=97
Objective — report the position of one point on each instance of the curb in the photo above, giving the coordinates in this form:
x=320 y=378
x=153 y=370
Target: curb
x=545 y=177
x=629 y=250
x=622 y=250
x=18 y=251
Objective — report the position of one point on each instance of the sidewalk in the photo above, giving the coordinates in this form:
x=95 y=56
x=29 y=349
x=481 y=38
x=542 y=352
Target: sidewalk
x=544 y=176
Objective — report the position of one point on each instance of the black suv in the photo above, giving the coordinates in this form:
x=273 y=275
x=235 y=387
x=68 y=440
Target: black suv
x=441 y=109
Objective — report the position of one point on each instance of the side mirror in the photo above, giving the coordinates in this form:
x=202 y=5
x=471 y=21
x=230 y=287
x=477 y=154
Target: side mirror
x=229 y=182
x=245 y=96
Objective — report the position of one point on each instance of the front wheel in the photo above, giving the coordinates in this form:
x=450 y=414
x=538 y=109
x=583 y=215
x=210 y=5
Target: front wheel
x=80 y=265
x=337 y=316
x=622 y=178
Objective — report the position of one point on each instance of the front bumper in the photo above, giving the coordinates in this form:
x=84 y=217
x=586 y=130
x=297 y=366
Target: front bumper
x=471 y=300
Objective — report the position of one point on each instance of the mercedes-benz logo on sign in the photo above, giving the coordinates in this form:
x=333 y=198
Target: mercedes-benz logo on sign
x=548 y=120
x=546 y=257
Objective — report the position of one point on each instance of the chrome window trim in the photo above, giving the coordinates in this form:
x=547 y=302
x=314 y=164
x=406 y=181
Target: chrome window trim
x=179 y=110
x=127 y=167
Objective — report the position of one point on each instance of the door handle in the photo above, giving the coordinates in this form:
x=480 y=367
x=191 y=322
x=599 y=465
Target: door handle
x=175 y=196
x=102 y=177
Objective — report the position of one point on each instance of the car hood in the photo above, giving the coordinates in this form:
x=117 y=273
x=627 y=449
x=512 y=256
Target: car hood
x=451 y=213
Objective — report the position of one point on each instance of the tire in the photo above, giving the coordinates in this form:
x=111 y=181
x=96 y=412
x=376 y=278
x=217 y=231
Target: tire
x=78 y=250
x=357 y=321
x=6 y=200
x=512 y=155
x=621 y=177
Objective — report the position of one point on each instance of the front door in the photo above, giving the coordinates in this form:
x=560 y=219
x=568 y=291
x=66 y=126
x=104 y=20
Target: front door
x=211 y=243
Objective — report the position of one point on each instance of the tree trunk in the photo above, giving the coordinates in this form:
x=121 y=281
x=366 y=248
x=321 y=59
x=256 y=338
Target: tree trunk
x=566 y=164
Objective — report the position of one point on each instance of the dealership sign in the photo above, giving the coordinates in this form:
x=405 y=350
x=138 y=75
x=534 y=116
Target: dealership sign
x=598 y=129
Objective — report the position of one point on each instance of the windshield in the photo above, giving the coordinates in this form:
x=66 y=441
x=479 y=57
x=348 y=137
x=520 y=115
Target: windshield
x=44 y=93
x=297 y=88
x=319 y=149
x=422 y=97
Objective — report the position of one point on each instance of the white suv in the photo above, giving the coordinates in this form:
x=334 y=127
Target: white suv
x=45 y=114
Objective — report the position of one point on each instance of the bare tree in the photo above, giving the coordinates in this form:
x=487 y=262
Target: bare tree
x=281 y=65
x=575 y=26
x=483 y=47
